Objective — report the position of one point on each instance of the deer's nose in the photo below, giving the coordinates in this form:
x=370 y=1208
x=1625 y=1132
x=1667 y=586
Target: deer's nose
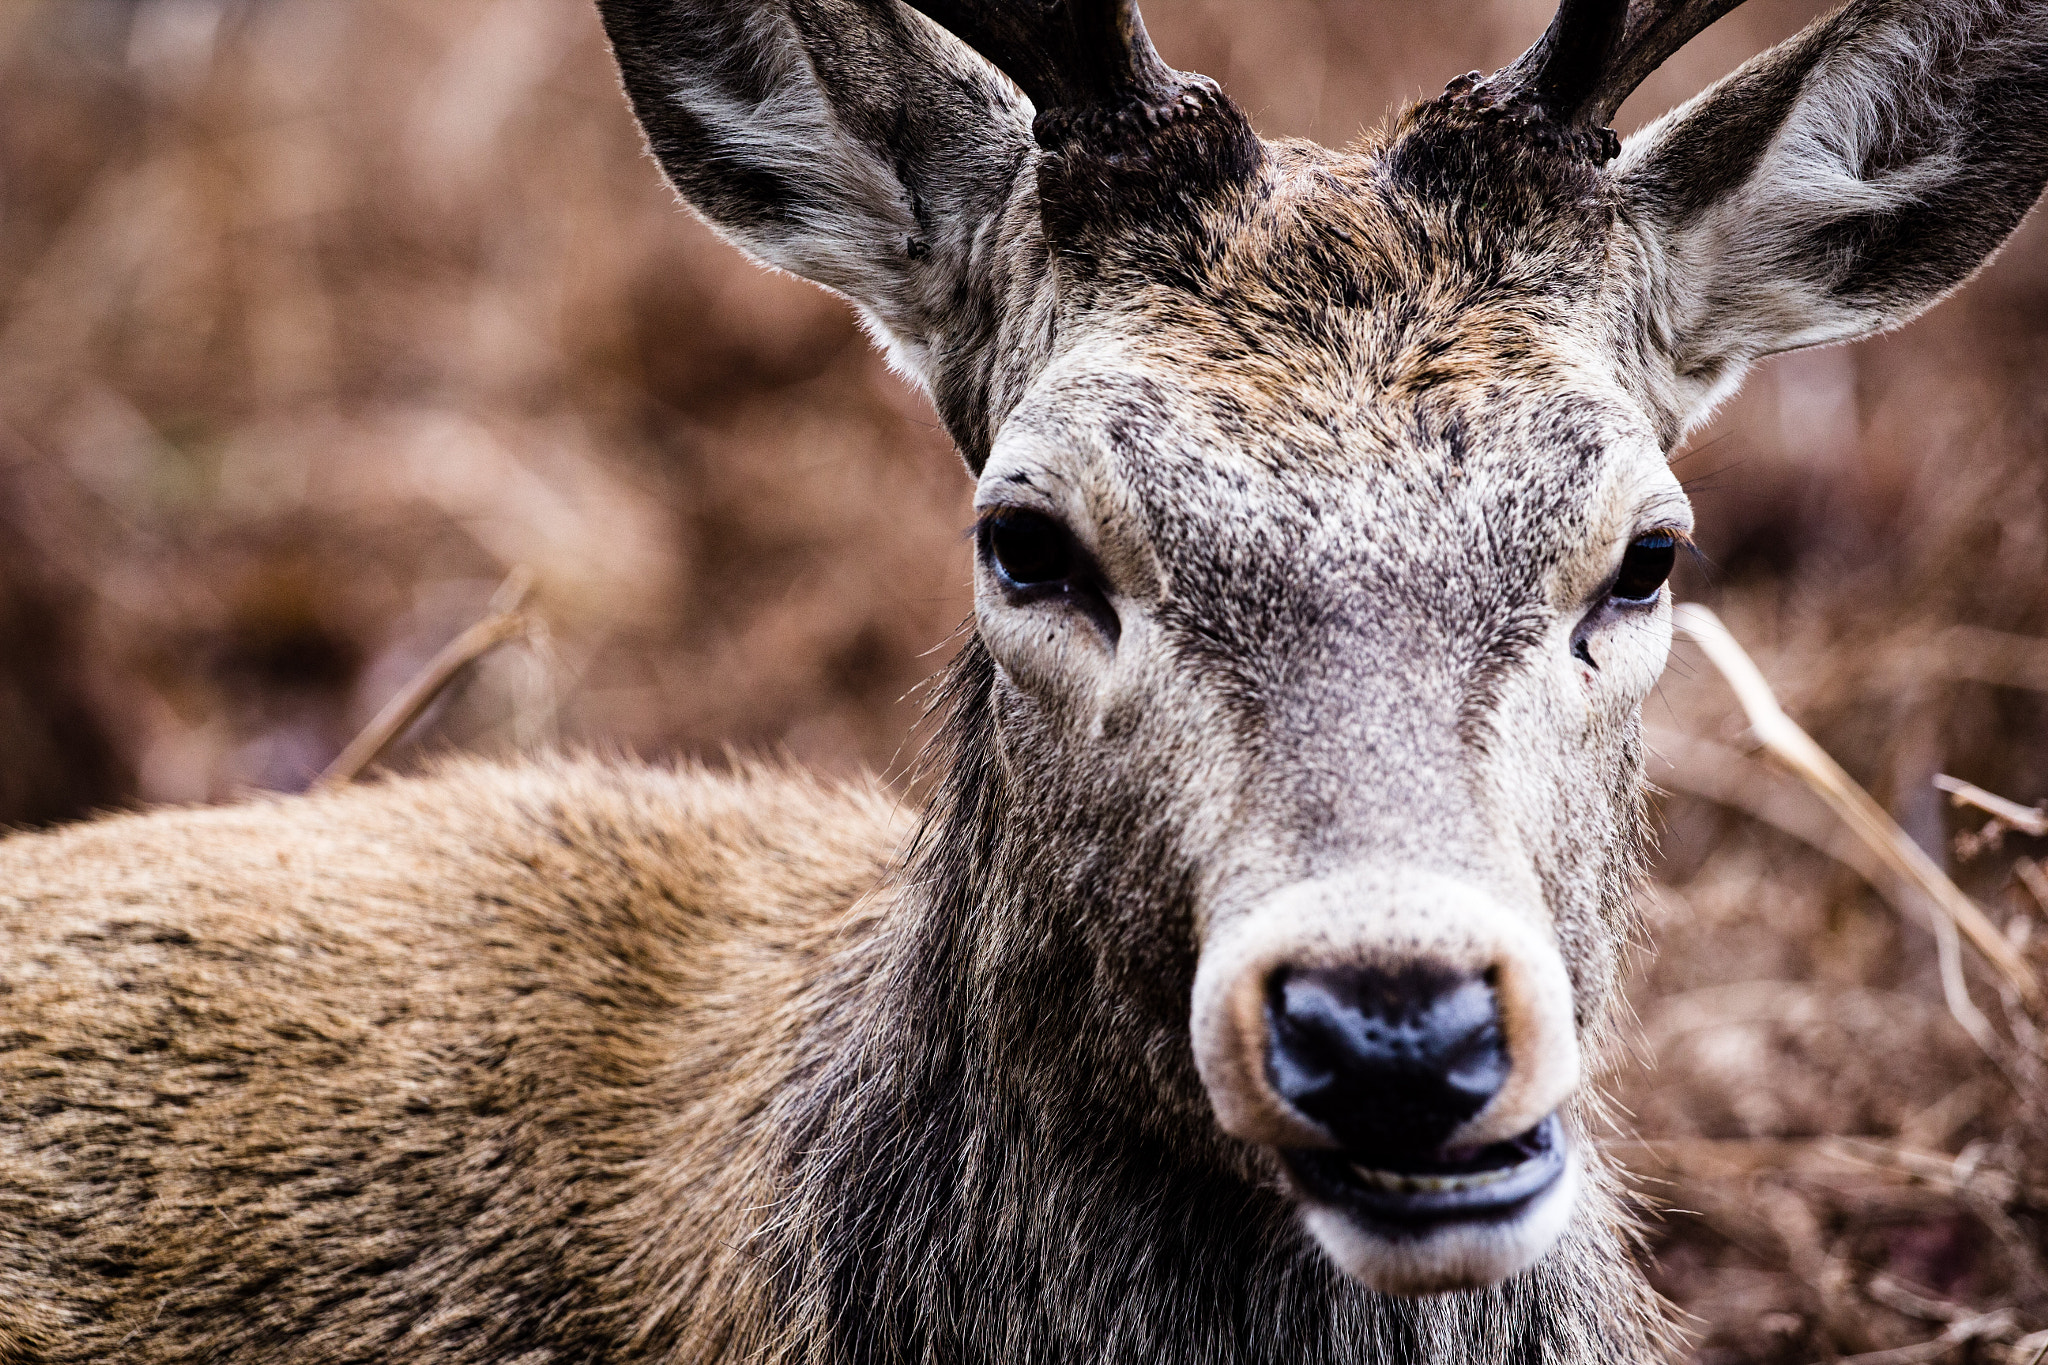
x=1389 y=1063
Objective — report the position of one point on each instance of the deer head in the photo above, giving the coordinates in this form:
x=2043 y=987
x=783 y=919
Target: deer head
x=1324 y=514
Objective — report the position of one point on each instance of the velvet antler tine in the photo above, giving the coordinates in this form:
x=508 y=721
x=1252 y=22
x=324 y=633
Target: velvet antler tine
x=1064 y=55
x=1561 y=69
x=1126 y=138
x=1596 y=52
x=1662 y=30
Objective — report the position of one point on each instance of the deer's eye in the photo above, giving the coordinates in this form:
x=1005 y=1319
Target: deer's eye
x=1029 y=550
x=1644 y=567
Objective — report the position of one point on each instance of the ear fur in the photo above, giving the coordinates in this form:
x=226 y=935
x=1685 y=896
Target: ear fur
x=851 y=142
x=1838 y=184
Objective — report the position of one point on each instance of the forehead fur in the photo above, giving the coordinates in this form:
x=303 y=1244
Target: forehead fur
x=1415 y=284
x=1435 y=274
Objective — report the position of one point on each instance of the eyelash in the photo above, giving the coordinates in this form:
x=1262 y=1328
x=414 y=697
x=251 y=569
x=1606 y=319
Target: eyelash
x=1645 y=567
x=1035 y=557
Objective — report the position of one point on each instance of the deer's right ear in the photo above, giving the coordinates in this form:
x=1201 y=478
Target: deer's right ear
x=1838 y=184
x=852 y=142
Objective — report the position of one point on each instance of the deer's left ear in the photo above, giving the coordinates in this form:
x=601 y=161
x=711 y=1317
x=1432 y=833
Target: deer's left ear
x=1838 y=184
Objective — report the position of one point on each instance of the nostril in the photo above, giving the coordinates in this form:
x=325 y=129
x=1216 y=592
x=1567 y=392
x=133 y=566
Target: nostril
x=1388 y=1062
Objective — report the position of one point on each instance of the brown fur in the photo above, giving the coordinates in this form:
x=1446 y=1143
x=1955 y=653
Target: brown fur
x=468 y=1069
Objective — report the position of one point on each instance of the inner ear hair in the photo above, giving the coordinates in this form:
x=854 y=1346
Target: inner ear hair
x=1839 y=183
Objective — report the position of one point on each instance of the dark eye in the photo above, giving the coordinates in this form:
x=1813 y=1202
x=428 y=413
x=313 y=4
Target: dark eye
x=1029 y=550
x=1644 y=567
x=1037 y=559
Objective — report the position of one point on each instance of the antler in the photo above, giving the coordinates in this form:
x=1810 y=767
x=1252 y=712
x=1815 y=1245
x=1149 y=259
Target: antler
x=1126 y=138
x=1087 y=65
x=1596 y=52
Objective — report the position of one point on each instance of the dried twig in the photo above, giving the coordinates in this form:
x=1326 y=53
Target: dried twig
x=1718 y=773
x=2030 y=1349
x=1931 y=1127
x=1909 y=1302
x=1727 y=776
x=2032 y=877
x=507 y=620
x=1783 y=738
x=1995 y=1323
x=1962 y=1174
x=1723 y=1160
x=1973 y=654
x=2027 y=819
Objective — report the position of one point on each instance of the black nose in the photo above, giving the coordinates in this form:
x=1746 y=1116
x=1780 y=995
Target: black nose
x=1389 y=1062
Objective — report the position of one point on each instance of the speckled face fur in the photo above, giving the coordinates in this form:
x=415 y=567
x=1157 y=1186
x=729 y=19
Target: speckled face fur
x=1324 y=502
x=1388 y=716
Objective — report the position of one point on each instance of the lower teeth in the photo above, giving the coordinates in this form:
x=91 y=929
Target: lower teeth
x=1397 y=1183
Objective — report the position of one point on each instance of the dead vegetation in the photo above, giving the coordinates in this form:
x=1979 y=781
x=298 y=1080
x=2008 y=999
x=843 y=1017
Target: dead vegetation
x=1846 y=1130
x=319 y=318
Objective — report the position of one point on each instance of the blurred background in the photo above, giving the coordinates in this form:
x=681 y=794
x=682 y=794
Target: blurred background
x=319 y=317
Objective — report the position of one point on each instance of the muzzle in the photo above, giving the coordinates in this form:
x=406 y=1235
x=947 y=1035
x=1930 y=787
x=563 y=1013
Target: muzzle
x=1403 y=1041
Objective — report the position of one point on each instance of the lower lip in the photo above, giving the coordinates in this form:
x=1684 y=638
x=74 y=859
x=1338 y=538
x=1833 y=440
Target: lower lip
x=1418 y=1200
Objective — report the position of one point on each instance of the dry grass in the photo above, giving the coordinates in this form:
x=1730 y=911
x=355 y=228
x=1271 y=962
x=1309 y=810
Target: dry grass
x=318 y=317
x=1851 y=1149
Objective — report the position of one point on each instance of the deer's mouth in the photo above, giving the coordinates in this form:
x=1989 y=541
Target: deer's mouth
x=1496 y=1183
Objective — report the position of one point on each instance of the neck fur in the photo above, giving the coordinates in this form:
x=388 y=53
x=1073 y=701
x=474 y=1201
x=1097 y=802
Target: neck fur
x=1006 y=1162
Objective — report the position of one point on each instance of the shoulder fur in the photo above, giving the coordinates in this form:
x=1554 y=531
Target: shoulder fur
x=494 y=1021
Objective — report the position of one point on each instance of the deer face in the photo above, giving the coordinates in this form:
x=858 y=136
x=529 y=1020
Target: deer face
x=1323 y=508
x=1366 y=647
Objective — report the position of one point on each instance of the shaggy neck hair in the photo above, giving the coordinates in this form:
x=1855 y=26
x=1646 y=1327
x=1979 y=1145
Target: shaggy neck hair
x=1005 y=1155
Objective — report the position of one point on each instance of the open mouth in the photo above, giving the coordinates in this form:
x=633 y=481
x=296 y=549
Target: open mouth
x=1494 y=1183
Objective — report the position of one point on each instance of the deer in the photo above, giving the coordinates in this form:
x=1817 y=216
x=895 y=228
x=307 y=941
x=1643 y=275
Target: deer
x=1240 y=990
